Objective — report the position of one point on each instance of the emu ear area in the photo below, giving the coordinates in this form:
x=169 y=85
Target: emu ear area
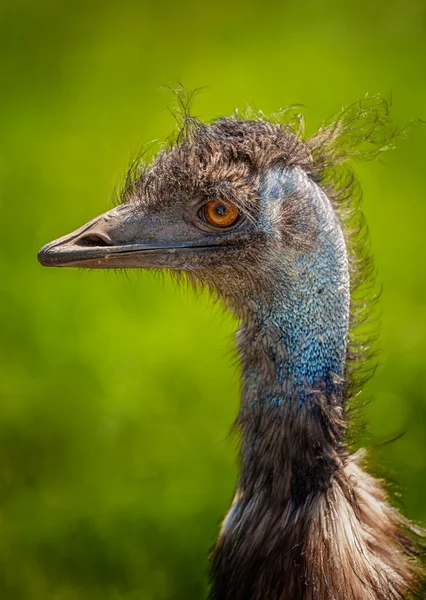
x=130 y=236
x=288 y=209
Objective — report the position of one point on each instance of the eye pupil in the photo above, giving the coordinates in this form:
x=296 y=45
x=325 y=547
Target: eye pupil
x=220 y=213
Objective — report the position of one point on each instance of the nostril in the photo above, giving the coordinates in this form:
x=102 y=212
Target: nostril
x=93 y=239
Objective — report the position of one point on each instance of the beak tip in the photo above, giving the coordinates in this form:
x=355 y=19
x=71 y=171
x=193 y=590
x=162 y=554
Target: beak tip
x=44 y=256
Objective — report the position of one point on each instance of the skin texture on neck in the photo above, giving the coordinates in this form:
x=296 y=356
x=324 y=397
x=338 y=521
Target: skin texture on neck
x=307 y=317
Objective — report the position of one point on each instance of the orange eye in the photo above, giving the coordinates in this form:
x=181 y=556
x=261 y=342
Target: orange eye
x=221 y=213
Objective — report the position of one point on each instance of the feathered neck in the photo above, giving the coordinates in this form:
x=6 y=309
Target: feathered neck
x=293 y=351
x=303 y=525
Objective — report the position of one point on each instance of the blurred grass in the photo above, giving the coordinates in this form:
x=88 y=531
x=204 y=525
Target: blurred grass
x=117 y=395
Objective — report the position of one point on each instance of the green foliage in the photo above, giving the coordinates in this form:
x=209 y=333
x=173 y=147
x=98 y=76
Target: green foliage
x=118 y=393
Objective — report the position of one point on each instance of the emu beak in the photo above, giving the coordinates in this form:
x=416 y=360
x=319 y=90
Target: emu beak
x=110 y=241
x=125 y=238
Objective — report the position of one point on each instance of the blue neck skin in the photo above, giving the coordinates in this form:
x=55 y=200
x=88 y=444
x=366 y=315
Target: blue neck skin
x=302 y=331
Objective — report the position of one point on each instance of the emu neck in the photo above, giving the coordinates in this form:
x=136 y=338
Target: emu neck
x=293 y=349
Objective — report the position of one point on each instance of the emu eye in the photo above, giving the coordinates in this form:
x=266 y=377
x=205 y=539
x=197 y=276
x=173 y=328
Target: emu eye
x=220 y=213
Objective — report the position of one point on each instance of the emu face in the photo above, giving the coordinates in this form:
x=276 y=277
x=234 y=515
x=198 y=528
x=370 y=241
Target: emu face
x=178 y=231
x=201 y=208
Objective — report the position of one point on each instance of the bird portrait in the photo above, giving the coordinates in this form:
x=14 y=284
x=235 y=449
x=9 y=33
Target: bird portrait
x=268 y=220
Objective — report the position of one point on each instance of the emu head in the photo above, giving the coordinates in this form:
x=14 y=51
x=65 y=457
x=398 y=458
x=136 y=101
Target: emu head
x=221 y=204
x=230 y=203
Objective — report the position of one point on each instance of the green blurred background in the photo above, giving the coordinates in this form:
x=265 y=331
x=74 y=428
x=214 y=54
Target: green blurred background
x=117 y=394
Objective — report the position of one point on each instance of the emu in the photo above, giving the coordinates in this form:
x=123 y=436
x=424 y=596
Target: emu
x=270 y=222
